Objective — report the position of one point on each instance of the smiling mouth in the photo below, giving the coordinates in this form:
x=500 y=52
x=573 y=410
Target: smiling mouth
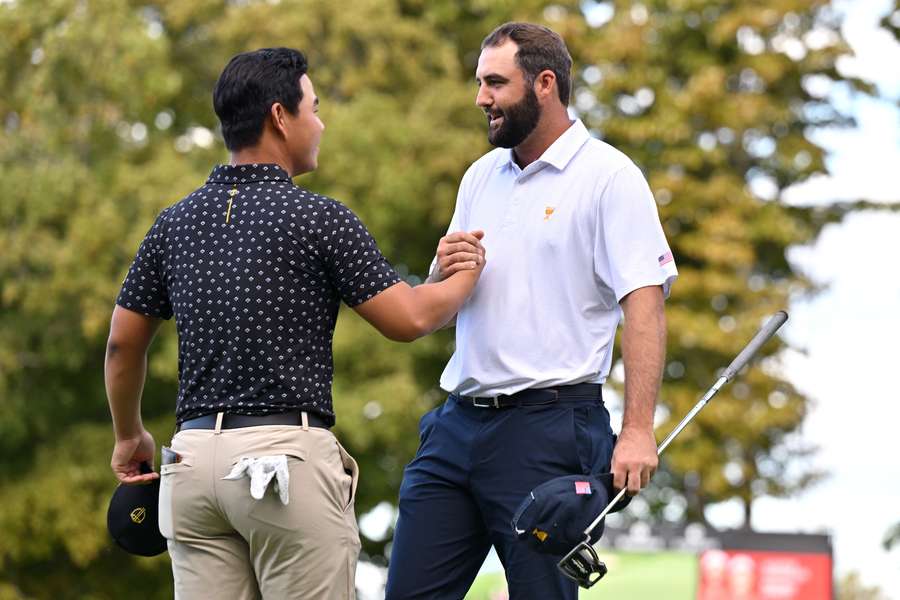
x=494 y=121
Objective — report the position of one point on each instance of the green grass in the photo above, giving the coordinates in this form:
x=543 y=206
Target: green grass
x=632 y=576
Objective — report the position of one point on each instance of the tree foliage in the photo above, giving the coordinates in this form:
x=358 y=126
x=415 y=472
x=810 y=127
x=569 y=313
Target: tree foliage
x=107 y=119
x=851 y=587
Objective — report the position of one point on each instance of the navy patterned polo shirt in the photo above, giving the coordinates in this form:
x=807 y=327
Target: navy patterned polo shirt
x=254 y=268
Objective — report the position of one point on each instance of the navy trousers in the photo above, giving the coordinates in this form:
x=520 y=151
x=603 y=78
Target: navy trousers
x=473 y=468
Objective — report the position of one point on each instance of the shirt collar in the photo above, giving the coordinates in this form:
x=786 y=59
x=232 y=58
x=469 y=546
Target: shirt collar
x=247 y=173
x=560 y=152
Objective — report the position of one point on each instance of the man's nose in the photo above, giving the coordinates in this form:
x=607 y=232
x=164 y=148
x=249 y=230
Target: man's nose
x=482 y=98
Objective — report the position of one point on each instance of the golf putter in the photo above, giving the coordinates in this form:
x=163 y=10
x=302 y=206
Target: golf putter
x=582 y=564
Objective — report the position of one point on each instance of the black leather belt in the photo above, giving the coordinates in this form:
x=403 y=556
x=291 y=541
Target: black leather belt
x=231 y=421
x=534 y=396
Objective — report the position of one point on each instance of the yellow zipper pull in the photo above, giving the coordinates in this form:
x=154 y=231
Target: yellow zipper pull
x=231 y=193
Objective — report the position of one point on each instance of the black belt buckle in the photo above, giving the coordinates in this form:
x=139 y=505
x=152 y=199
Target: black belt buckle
x=583 y=566
x=492 y=402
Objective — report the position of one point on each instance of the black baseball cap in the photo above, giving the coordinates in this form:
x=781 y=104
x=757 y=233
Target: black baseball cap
x=133 y=517
x=553 y=517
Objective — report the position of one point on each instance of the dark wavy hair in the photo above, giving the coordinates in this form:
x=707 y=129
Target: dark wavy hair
x=248 y=87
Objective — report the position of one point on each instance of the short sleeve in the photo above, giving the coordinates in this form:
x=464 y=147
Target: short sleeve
x=631 y=250
x=353 y=261
x=144 y=289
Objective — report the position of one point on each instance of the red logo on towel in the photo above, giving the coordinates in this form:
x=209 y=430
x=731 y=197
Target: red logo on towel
x=582 y=487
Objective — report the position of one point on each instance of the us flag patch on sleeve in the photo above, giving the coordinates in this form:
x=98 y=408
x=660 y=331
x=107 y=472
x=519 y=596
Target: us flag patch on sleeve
x=666 y=258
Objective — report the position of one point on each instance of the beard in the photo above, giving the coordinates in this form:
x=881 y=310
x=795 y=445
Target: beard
x=519 y=120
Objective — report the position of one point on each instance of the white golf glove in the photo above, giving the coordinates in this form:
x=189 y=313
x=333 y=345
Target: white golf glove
x=261 y=470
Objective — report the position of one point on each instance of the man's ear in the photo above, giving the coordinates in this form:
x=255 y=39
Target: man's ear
x=545 y=85
x=278 y=118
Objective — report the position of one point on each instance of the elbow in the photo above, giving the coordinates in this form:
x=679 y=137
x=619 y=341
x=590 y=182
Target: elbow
x=414 y=327
x=404 y=336
x=410 y=333
x=422 y=326
x=400 y=336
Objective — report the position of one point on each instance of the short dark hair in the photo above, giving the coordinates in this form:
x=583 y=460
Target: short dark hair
x=248 y=87
x=540 y=49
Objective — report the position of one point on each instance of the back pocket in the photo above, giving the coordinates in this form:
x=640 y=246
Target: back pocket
x=269 y=509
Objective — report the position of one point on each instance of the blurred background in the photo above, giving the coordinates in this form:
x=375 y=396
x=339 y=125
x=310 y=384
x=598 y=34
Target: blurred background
x=768 y=131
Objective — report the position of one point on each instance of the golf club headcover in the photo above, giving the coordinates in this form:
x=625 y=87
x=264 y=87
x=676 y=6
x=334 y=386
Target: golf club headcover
x=553 y=517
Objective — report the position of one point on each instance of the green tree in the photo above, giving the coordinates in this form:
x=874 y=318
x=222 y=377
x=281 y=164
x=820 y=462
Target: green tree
x=891 y=536
x=851 y=588
x=107 y=119
x=712 y=99
x=891 y=21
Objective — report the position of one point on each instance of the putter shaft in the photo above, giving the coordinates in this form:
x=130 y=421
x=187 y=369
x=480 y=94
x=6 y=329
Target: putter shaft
x=761 y=337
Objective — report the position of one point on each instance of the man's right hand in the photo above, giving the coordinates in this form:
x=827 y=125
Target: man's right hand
x=129 y=453
x=459 y=251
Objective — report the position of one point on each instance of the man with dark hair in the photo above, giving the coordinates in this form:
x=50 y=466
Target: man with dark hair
x=575 y=241
x=253 y=268
x=539 y=49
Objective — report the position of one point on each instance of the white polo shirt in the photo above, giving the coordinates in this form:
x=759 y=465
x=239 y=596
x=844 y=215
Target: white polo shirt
x=566 y=239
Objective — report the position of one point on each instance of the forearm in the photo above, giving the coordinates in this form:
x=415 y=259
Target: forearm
x=403 y=313
x=125 y=371
x=439 y=301
x=643 y=353
x=435 y=277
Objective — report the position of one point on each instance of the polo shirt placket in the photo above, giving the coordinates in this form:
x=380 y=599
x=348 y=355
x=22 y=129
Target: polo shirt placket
x=566 y=239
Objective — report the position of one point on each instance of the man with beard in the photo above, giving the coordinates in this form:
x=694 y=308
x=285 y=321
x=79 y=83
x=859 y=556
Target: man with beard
x=575 y=241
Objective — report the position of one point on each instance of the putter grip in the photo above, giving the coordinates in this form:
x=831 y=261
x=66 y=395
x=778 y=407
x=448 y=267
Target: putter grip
x=762 y=336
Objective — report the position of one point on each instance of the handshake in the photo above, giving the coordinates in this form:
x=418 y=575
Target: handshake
x=459 y=251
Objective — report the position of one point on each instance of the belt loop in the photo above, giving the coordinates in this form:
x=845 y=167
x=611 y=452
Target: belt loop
x=304 y=419
x=219 y=417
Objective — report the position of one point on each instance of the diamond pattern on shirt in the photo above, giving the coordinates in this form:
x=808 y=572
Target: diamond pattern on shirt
x=255 y=298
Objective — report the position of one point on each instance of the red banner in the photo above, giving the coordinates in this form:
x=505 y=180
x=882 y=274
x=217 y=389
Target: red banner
x=753 y=575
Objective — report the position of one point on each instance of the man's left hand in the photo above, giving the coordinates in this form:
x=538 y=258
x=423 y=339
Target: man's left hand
x=634 y=459
x=128 y=455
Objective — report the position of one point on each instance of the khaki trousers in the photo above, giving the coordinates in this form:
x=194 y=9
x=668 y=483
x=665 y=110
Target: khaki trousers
x=225 y=544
